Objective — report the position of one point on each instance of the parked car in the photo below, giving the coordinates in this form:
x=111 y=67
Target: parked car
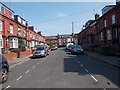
x=41 y=51
x=4 y=69
x=77 y=49
x=68 y=45
x=54 y=48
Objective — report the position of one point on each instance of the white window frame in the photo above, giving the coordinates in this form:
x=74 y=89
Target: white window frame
x=11 y=28
x=1 y=25
x=19 y=19
x=105 y=23
x=19 y=31
x=13 y=42
x=11 y=14
x=1 y=9
x=101 y=36
x=1 y=41
x=113 y=19
x=108 y=35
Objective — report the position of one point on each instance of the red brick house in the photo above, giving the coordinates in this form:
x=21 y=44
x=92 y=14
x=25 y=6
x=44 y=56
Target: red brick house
x=15 y=31
x=104 y=30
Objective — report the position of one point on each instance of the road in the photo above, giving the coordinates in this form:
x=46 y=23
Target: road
x=62 y=70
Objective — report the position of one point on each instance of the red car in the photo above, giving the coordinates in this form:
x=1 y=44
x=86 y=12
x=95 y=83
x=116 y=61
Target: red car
x=54 y=48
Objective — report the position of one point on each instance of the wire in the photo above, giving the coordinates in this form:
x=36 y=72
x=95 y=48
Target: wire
x=70 y=15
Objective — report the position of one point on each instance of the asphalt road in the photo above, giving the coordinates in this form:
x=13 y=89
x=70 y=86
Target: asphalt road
x=62 y=70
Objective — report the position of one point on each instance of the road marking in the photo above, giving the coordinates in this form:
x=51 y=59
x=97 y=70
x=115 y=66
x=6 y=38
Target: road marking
x=19 y=63
x=78 y=62
x=76 y=73
x=19 y=78
x=33 y=67
x=94 y=78
x=64 y=73
x=86 y=70
x=38 y=63
x=7 y=87
x=81 y=65
x=27 y=71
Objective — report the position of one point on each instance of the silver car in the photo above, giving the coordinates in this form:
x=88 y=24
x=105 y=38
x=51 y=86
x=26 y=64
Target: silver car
x=41 y=51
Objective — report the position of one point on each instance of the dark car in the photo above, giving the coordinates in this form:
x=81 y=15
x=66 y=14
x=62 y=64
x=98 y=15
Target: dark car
x=77 y=49
x=4 y=69
x=70 y=47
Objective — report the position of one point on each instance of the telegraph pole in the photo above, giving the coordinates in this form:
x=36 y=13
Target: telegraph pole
x=72 y=31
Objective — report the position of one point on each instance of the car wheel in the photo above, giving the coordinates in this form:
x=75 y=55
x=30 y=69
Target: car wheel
x=4 y=75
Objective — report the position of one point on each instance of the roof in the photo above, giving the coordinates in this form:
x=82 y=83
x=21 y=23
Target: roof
x=6 y=7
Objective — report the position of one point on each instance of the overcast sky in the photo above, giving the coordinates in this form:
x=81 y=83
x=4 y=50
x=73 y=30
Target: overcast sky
x=56 y=17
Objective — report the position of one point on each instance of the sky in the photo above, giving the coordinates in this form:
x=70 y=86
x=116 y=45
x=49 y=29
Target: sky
x=52 y=18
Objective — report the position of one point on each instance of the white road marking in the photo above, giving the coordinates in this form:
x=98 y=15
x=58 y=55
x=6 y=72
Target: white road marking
x=78 y=62
x=86 y=70
x=75 y=73
x=94 y=78
x=19 y=78
x=27 y=71
x=7 y=87
x=81 y=65
x=33 y=66
x=19 y=63
x=64 y=73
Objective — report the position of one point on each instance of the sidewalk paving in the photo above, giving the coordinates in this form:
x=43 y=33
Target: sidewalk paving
x=19 y=60
x=108 y=59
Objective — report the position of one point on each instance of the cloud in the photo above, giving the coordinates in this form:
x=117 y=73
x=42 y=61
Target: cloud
x=59 y=14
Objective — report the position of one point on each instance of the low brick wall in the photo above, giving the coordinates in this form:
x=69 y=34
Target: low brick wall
x=14 y=55
x=10 y=56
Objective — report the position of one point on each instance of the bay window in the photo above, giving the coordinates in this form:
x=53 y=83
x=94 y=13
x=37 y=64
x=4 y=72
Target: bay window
x=14 y=43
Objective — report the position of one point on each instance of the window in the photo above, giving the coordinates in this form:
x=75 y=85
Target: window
x=1 y=42
x=113 y=19
x=25 y=33
x=1 y=25
x=13 y=43
x=19 y=31
x=11 y=28
x=24 y=22
x=2 y=9
x=108 y=35
x=19 y=20
x=101 y=36
x=105 y=23
x=11 y=15
x=30 y=34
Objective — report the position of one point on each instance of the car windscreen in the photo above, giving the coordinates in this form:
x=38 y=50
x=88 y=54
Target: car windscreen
x=40 y=48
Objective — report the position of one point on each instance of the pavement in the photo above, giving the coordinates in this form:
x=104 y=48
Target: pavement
x=108 y=59
x=61 y=69
x=18 y=61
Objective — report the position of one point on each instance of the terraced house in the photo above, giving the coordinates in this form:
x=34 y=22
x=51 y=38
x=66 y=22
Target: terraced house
x=15 y=32
x=104 y=30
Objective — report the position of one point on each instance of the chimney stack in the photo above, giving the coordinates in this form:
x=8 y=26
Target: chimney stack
x=97 y=16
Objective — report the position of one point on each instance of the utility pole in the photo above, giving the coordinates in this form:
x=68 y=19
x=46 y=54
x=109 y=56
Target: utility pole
x=72 y=31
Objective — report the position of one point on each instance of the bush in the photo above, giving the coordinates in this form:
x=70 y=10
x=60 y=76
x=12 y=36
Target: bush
x=6 y=51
